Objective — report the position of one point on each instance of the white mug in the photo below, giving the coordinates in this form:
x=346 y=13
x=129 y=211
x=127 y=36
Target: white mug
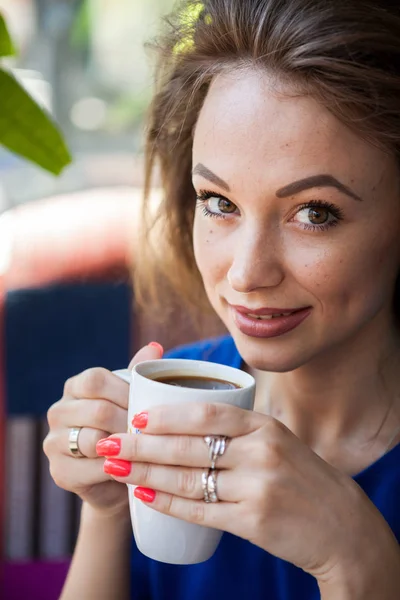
x=158 y=536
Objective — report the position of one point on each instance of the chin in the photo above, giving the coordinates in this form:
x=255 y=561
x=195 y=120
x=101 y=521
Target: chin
x=270 y=354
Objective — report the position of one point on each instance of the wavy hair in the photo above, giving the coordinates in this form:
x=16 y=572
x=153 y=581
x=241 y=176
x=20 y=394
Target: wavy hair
x=343 y=53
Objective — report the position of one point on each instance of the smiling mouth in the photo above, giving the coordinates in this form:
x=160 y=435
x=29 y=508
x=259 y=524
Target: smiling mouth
x=268 y=322
x=268 y=317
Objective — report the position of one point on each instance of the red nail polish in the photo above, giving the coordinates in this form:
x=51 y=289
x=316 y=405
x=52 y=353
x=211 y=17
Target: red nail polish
x=145 y=494
x=117 y=467
x=158 y=346
x=109 y=447
x=140 y=420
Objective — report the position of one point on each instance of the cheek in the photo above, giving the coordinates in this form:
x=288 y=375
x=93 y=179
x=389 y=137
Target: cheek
x=316 y=269
x=210 y=252
x=371 y=272
x=355 y=277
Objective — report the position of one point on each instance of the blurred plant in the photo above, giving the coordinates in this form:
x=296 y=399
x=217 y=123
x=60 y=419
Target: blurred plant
x=25 y=128
x=80 y=31
x=126 y=111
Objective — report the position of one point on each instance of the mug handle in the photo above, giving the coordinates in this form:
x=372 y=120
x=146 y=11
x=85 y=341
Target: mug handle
x=123 y=374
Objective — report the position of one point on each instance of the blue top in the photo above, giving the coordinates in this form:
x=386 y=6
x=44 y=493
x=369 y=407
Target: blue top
x=238 y=569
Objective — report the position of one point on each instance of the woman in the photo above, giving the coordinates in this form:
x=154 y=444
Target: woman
x=282 y=119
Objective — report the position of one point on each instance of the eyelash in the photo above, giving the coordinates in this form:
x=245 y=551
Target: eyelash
x=335 y=211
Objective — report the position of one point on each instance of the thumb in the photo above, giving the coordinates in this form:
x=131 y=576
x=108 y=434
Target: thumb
x=152 y=351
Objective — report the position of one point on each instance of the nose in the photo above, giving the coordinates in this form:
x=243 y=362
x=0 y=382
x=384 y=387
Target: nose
x=257 y=263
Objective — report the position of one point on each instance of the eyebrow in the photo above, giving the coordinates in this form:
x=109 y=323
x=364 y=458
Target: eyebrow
x=201 y=170
x=323 y=180
x=315 y=181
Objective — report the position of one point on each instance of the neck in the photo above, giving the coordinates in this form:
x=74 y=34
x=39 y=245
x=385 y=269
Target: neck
x=348 y=395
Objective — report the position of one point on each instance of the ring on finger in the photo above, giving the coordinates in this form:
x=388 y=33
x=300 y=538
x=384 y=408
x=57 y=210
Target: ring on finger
x=73 y=442
x=216 y=447
x=209 y=485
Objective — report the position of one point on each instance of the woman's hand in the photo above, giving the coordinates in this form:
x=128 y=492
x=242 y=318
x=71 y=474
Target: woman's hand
x=274 y=491
x=97 y=401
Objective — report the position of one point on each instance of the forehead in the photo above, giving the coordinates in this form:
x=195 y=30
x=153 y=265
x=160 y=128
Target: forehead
x=251 y=120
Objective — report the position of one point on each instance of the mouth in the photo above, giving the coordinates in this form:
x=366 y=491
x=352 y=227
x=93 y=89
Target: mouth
x=268 y=317
x=268 y=322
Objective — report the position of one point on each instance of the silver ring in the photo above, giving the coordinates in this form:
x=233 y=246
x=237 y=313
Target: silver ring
x=212 y=485
x=216 y=447
x=209 y=485
x=204 y=485
x=73 y=445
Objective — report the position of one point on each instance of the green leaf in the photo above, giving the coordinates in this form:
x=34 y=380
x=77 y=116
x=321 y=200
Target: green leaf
x=6 y=46
x=80 y=31
x=27 y=130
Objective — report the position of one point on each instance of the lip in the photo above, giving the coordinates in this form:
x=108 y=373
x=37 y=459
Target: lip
x=263 y=311
x=271 y=328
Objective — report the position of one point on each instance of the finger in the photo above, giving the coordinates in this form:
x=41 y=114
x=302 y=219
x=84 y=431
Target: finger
x=200 y=418
x=98 y=383
x=182 y=450
x=97 y=414
x=87 y=440
x=178 y=481
x=152 y=351
x=75 y=474
x=221 y=515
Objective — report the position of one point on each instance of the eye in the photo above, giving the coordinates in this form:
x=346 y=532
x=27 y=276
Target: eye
x=214 y=205
x=318 y=215
x=315 y=216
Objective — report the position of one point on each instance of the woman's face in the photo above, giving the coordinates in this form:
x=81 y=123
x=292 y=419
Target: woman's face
x=295 y=214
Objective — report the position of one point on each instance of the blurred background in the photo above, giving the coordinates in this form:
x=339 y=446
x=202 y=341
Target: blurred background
x=67 y=251
x=85 y=61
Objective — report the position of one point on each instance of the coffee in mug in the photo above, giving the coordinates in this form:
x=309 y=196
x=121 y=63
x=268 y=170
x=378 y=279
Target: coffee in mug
x=174 y=381
x=197 y=382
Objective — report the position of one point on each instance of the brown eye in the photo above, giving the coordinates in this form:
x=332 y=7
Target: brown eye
x=318 y=216
x=226 y=206
x=216 y=206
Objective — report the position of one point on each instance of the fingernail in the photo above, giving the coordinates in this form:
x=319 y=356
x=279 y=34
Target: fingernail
x=109 y=447
x=145 y=494
x=140 y=420
x=158 y=346
x=117 y=467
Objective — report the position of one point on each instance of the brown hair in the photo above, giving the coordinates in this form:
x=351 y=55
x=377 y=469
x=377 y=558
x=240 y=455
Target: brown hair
x=344 y=53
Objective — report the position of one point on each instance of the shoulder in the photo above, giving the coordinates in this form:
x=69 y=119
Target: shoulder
x=220 y=350
x=381 y=483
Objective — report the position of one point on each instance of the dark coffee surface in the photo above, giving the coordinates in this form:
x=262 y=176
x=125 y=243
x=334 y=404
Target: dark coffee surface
x=200 y=383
